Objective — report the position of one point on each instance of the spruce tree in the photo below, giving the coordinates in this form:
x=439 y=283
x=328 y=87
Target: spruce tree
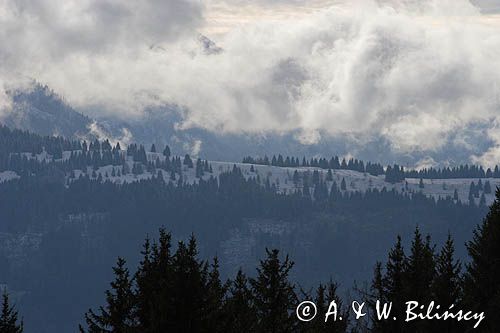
x=189 y=293
x=9 y=317
x=325 y=294
x=482 y=283
x=487 y=187
x=239 y=307
x=343 y=185
x=420 y=269
x=447 y=284
x=394 y=286
x=166 y=151
x=274 y=296
x=118 y=314
x=154 y=285
x=213 y=313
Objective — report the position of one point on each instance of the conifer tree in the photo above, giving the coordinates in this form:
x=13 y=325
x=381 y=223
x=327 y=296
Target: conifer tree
x=378 y=293
x=9 y=317
x=213 y=312
x=239 y=307
x=487 y=187
x=274 y=296
x=482 y=200
x=118 y=314
x=447 y=284
x=329 y=175
x=420 y=269
x=394 y=286
x=482 y=283
x=325 y=294
x=166 y=151
x=154 y=285
x=189 y=291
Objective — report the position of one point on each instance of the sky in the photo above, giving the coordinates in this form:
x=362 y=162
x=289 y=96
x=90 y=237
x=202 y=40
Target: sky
x=417 y=73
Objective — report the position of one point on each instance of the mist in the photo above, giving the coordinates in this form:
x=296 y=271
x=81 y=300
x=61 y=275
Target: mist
x=417 y=73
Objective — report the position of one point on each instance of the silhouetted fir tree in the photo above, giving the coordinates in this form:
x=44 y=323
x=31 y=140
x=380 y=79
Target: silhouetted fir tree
x=153 y=148
x=325 y=294
x=421 y=183
x=274 y=296
x=118 y=314
x=145 y=289
x=482 y=283
x=343 y=185
x=329 y=175
x=487 y=187
x=189 y=292
x=378 y=293
x=239 y=308
x=472 y=202
x=213 y=313
x=418 y=277
x=166 y=151
x=188 y=161
x=420 y=268
x=482 y=200
x=322 y=303
x=9 y=317
x=394 y=287
x=455 y=195
x=447 y=285
x=154 y=285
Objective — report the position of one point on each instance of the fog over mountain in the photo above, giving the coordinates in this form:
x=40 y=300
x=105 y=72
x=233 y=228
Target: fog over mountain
x=407 y=81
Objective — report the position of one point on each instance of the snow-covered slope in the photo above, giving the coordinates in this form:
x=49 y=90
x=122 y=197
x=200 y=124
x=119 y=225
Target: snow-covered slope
x=283 y=177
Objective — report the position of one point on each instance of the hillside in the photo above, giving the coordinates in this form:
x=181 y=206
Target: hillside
x=104 y=198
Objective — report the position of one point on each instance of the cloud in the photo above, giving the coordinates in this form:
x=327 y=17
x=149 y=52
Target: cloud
x=487 y=6
x=100 y=133
x=413 y=72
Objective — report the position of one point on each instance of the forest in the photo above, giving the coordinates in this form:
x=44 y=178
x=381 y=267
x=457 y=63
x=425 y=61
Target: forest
x=62 y=223
x=173 y=290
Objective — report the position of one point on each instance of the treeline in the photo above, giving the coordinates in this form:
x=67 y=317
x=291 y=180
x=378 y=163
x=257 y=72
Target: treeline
x=394 y=173
x=424 y=276
x=19 y=141
x=176 y=291
x=19 y=151
x=333 y=163
x=24 y=203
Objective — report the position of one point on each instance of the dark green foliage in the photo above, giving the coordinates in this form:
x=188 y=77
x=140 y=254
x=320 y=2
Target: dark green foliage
x=180 y=293
x=487 y=187
x=118 y=314
x=274 y=297
x=9 y=322
x=325 y=295
x=239 y=307
x=447 y=284
x=482 y=283
x=423 y=277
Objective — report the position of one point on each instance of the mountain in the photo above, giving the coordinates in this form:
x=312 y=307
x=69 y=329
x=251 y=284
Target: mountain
x=43 y=111
x=40 y=110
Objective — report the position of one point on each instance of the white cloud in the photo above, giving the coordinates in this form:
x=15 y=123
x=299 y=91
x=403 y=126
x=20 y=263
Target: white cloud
x=412 y=71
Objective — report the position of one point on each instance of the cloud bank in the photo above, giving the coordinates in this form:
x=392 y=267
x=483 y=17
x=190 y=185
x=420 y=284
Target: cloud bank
x=414 y=72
